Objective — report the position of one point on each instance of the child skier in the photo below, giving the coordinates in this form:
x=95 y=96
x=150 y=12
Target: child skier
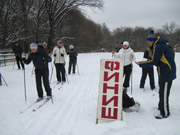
x=72 y=58
x=40 y=58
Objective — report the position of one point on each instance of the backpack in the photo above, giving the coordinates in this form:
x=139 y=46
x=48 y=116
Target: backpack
x=127 y=101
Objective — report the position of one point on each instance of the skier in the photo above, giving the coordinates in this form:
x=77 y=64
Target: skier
x=18 y=52
x=40 y=58
x=118 y=48
x=59 y=54
x=45 y=48
x=127 y=55
x=72 y=58
x=147 y=70
x=163 y=59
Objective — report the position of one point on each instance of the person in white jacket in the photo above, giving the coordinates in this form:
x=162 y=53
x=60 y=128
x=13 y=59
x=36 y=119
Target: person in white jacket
x=59 y=53
x=127 y=55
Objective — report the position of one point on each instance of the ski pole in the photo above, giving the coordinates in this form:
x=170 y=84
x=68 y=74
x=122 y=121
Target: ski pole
x=112 y=54
x=52 y=100
x=52 y=66
x=14 y=63
x=66 y=74
x=24 y=83
x=131 y=78
x=51 y=73
x=77 y=68
x=32 y=71
x=4 y=80
x=65 y=69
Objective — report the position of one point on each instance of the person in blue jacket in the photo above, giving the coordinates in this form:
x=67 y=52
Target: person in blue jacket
x=40 y=59
x=163 y=59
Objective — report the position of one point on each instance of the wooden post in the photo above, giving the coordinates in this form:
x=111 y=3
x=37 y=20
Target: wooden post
x=4 y=60
x=96 y=121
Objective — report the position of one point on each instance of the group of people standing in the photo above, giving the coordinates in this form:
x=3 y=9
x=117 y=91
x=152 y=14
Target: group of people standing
x=158 y=54
x=40 y=57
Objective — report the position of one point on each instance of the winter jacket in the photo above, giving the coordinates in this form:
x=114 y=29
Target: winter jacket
x=18 y=51
x=125 y=55
x=40 y=59
x=72 y=54
x=59 y=51
x=163 y=59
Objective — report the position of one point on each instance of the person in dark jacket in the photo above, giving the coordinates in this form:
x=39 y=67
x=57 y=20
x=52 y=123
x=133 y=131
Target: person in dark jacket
x=72 y=59
x=40 y=59
x=41 y=46
x=147 y=70
x=18 y=52
x=163 y=59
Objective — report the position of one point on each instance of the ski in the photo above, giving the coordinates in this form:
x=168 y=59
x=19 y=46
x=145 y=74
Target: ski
x=41 y=105
x=60 y=87
x=54 y=86
x=29 y=107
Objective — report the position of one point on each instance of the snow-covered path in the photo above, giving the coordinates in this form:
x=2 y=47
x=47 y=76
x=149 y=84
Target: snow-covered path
x=75 y=104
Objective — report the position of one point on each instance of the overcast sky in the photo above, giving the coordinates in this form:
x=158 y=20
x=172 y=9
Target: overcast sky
x=132 y=13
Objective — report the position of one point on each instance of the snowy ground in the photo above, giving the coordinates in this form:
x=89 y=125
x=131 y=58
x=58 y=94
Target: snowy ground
x=74 y=111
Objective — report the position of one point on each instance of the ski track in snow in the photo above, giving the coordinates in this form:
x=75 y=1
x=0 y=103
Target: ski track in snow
x=75 y=104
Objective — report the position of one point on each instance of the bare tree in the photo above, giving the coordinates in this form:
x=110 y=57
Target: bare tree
x=57 y=9
x=6 y=17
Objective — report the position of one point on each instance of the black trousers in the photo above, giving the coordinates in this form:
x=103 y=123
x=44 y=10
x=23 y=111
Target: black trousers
x=19 y=60
x=127 y=74
x=72 y=62
x=42 y=74
x=164 y=92
x=60 y=70
x=150 y=72
x=47 y=70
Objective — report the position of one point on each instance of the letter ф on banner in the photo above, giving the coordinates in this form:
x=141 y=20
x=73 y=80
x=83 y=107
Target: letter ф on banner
x=110 y=90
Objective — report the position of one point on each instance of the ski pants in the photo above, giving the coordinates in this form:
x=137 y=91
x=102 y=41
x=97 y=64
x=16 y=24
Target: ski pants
x=72 y=62
x=127 y=74
x=60 y=70
x=19 y=60
x=42 y=74
x=164 y=92
x=150 y=72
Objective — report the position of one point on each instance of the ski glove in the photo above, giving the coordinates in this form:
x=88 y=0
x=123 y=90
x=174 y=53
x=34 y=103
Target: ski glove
x=54 y=55
x=62 y=55
x=23 y=59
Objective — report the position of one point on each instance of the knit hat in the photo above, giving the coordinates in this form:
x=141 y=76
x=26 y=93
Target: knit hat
x=126 y=43
x=44 y=44
x=33 y=46
x=59 y=41
x=71 y=46
x=151 y=36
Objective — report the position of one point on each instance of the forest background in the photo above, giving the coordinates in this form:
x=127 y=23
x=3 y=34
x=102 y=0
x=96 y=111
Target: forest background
x=28 y=21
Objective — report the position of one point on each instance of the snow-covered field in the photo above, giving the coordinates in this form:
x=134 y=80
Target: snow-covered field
x=74 y=111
